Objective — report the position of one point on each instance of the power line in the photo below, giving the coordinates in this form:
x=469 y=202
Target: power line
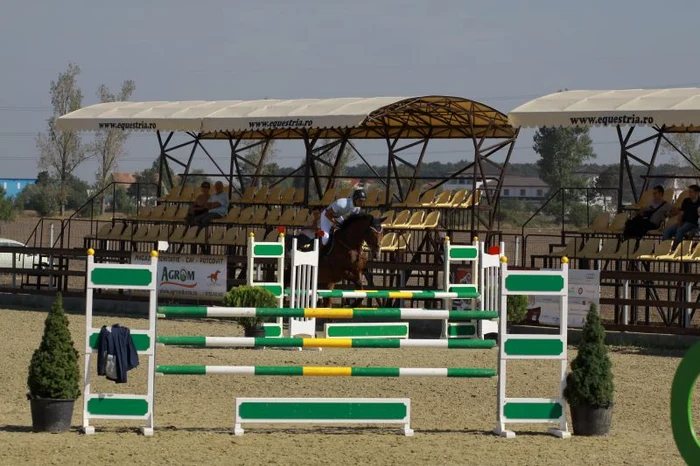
x=485 y=100
x=299 y=156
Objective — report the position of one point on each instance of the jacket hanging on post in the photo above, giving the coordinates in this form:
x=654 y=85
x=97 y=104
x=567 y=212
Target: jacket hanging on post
x=116 y=353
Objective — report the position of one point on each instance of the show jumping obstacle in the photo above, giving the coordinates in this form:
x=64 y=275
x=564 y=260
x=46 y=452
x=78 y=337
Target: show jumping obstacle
x=344 y=410
x=482 y=288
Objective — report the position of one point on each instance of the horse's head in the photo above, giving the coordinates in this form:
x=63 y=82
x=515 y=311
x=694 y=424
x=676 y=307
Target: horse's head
x=357 y=229
x=374 y=238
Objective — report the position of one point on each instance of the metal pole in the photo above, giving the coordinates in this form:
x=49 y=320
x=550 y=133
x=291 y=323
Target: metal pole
x=51 y=287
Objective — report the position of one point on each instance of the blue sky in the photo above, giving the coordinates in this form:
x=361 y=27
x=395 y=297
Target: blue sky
x=500 y=53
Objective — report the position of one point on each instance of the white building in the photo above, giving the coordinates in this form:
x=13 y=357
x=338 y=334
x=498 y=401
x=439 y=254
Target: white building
x=514 y=187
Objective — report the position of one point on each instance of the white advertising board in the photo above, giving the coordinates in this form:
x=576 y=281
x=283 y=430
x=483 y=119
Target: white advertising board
x=188 y=276
x=584 y=289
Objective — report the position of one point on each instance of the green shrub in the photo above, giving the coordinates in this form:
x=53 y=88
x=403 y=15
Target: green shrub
x=517 y=308
x=250 y=296
x=53 y=370
x=590 y=381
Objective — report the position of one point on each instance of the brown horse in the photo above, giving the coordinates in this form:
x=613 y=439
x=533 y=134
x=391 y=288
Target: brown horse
x=343 y=258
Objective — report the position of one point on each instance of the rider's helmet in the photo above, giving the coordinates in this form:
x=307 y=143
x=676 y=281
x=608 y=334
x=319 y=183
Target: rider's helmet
x=359 y=195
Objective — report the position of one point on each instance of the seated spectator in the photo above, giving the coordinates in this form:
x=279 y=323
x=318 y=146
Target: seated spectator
x=198 y=207
x=217 y=206
x=688 y=221
x=648 y=218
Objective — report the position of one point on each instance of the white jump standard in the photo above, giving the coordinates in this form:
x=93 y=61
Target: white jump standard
x=533 y=346
x=121 y=406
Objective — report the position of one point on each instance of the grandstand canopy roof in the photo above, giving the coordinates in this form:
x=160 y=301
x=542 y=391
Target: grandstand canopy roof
x=674 y=110
x=362 y=118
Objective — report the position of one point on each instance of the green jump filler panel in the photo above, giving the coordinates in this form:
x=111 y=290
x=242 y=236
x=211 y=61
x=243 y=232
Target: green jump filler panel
x=112 y=276
x=273 y=288
x=378 y=330
x=528 y=283
x=463 y=252
x=534 y=347
x=118 y=407
x=456 y=330
x=534 y=411
x=323 y=411
x=141 y=341
x=268 y=250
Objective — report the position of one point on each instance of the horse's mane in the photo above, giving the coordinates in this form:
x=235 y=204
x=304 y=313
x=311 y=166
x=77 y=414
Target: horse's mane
x=352 y=219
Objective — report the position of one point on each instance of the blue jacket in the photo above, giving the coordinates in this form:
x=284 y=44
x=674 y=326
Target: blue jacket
x=116 y=353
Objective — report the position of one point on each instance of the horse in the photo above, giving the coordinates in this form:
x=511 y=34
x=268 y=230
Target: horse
x=343 y=257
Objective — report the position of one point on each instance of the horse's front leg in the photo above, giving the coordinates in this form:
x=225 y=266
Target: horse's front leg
x=355 y=277
x=327 y=301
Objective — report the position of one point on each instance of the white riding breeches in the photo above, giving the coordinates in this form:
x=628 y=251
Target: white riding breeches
x=326 y=226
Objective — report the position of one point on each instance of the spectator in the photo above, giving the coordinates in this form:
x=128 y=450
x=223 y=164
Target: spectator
x=648 y=218
x=199 y=206
x=688 y=221
x=217 y=206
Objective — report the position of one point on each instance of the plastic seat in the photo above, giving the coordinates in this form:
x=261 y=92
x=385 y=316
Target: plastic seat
x=432 y=220
x=599 y=224
x=414 y=221
x=660 y=249
x=442 y=199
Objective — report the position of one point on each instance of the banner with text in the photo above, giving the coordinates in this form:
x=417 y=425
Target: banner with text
x=188 y=276
x=584 y=289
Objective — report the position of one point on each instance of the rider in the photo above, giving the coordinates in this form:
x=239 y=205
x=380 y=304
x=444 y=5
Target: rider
x=336 y=213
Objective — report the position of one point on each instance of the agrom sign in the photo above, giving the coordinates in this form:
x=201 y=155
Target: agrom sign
x=188 y=276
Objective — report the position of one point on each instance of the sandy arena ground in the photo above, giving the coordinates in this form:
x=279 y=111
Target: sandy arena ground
x=452 y=418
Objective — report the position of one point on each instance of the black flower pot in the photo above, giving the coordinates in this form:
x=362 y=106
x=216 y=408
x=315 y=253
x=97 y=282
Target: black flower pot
x=591 y=420
x=49 y=415
x=255 y=332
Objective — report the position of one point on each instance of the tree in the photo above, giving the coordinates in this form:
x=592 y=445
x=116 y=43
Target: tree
x=43 y=195
x=688 y=144
x=196 y=177
x=253 y=157
x=608 y=178
x=7 y=207
x=561 y=151
x=62 y=151
x=122 y=202
x=108 y=145
x=326 y=158
x=148 y=180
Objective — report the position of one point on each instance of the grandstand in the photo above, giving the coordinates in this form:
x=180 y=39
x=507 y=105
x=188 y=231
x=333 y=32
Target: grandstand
x=643 y=285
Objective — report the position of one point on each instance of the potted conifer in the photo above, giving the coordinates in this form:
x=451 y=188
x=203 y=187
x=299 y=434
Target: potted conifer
x=517 y=309
x=250 y=296
x=589 y=386
x=54 y=374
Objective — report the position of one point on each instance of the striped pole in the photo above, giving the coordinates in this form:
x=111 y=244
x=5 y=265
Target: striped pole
x=328 y=371
x=464 y=293
x=323 y=342
x=324 y=313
